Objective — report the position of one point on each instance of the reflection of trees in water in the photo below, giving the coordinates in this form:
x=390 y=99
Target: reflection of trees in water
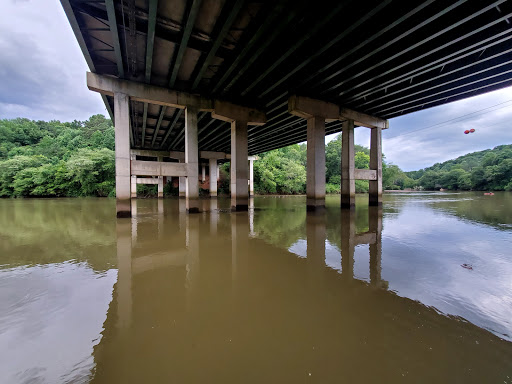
x=53 y=231
x=491 y=210
x=495 y=211
x=280 y=227
x=281 y=221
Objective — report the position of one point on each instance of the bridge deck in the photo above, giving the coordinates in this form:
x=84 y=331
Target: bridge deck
x=384 y=58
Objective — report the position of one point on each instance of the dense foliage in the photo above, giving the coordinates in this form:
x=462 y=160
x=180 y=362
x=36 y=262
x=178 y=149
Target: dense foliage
x=283 y=171
x=485 y=170
x=39 y=158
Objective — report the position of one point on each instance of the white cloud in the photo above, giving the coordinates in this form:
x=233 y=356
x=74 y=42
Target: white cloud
x=42 y=70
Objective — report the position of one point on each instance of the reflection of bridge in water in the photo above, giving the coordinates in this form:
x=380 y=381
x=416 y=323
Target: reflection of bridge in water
x=201 y=298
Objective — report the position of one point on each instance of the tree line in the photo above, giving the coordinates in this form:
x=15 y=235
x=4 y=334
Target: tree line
x=39 y=158
x=490 y=169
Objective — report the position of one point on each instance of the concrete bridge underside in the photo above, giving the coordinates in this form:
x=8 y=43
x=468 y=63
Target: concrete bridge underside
x=222 y=76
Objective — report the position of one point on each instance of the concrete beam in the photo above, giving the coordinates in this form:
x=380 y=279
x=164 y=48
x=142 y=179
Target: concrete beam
x=365 y=174
x=157 y=168
x=147 y=93
x=306 y=108
x=212 y=155
x=363 y=119
x=147 y=180
x=230 y=112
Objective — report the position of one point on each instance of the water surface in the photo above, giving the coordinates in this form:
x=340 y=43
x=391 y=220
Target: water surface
x=273 y=295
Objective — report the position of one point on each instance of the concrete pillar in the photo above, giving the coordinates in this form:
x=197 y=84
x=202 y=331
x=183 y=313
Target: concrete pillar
x=213 y=177
x=160 y=187
x=182 y=184
x=122 y=146
x=251 y=177
x=134 y=186
x=348 y=183
x=315 y=187
x=375 y=191
x=192 y=160
x=203 y=173
x=239 y=166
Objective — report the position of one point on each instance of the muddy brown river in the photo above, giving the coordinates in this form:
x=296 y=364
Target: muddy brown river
x=419 y=291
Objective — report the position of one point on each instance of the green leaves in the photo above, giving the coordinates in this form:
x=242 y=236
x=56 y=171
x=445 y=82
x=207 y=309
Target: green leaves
x=57 y=159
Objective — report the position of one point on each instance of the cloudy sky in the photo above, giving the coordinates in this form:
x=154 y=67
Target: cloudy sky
x=42 y=77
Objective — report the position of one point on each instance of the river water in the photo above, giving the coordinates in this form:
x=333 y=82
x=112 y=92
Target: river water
x=419 y=291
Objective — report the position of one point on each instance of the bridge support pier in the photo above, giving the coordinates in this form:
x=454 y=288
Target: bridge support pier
x=213 y=177
x=122 y=153
x=348 y=185
x=192 y=160
x=251 y=177
x=239 y=117
x=375 y=190
x=239 y=166
x=182 y=184
x=315 y=167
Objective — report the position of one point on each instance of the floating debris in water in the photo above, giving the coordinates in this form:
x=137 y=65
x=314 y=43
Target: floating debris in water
x=467 y=266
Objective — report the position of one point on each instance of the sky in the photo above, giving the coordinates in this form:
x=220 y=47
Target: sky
x=42 y=77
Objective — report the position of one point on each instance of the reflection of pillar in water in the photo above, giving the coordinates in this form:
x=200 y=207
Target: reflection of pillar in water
x=182 y=206
x=348 y=233
x=160 y=217
x=124 y=274
x=375 y=226
x=316 y=234
x=251 y=216
x=134 y=221
x=214 y=216
x=239 y=245
x=192 y=243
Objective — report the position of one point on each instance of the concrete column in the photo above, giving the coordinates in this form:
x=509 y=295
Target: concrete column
x=134 y=186
x=375 y=191
x=213 y=177
x=192 y=160
x=182 y=184
x=315 y=187
x=160 y=187
x=203 y=173
x=239 y=166
x=348 y=183
x=122 y=146
x=251 y=177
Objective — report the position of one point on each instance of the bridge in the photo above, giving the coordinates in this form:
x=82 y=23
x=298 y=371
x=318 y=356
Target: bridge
x=244 y=77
